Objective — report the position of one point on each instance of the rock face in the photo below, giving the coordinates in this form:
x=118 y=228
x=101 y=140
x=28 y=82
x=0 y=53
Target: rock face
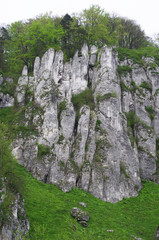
x=6 y=100
x=17 y=225
x=81 y=216
x=106 y=149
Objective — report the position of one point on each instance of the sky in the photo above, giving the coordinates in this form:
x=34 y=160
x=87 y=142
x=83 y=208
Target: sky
x=144 y=12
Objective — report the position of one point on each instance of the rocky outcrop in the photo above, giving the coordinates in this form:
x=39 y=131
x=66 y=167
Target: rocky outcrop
x=15 y=224
x=105 y=148
x=6 y=100
x=81 y=216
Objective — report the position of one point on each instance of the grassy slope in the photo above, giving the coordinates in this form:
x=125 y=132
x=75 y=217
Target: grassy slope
x=48 y=210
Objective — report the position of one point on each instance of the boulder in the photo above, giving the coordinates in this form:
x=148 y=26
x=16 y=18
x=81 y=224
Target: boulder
x=81 y=216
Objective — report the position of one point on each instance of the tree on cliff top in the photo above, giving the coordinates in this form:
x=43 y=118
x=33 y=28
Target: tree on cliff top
x=31 y=39
x=93 y=26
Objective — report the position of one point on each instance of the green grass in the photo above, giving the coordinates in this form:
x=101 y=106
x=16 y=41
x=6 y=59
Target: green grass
x=48 y=210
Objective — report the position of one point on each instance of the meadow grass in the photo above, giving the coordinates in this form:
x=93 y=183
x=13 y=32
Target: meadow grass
x=48 y=210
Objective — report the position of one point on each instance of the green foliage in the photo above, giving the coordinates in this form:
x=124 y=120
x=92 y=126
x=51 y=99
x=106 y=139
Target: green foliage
x=132 y=138
x=106 y=96
x=136 y=55
x=135 y=87
x=98 y=123
x=61 y=138
x=151 y=112
x=8 y=88
x=124 y=70
x=22 y=41
x=83 y=98
x=95 y=22
x=62 y=107
x=146 y=85
x=6 y=115
x=43 y=150
x=134 y=121
x=123 y=169
x=5 y=210
x=30 y=39
x=124 y=87
x=74 y=166
x=101 y=144
x=15 y=117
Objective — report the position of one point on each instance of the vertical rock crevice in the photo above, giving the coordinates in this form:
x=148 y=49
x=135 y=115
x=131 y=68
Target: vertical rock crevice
x=107 y=148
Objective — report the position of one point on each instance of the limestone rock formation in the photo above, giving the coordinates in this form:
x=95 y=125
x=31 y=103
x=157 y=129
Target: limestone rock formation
x=6 y=100
x=81 y=216
x=17 y=226
x=105 y=148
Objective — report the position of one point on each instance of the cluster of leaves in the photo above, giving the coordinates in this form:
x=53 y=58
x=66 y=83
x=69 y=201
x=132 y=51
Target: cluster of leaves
x=15 y=118
x=62 y=107
x=42 y=150
x=138 y=55
x=123 y=169
x=133 y=121
x=106 y=96
x=146 y=85
x=124 y=70
x=61 y=138
x=83 y=98
x=28 y=40
x=150 y=111
x=22 y=41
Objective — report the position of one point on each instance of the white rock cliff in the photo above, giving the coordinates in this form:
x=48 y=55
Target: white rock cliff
x=100 y=151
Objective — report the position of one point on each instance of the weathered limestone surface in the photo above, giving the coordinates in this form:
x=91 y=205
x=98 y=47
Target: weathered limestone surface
x=6 y=100
x=17 y=225
x=106 y=150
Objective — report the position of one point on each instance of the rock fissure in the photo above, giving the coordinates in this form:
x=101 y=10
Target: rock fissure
x=97 y=125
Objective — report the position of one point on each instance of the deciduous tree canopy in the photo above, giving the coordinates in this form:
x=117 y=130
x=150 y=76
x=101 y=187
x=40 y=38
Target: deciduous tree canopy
x=22 y=41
